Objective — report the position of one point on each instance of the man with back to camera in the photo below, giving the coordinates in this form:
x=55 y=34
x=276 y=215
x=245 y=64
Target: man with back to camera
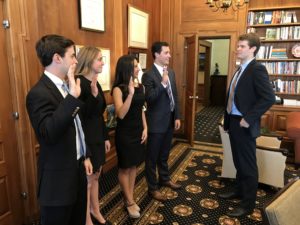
x=162 y=117
x=53 y=111
x=250 y=95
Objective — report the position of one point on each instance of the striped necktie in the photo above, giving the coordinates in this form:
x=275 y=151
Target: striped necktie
x=169 y=91
x=232 y=90
x=78 y=127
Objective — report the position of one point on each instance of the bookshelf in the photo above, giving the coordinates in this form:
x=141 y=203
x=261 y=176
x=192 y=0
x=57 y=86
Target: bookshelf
x=279 y=30
x=283 y=66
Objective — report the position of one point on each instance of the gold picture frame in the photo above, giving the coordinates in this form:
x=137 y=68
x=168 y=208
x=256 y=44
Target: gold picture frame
x=91 y=14
x=138 y=28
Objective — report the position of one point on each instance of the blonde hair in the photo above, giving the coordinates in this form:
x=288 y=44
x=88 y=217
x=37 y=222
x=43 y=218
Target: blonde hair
x=85 y=58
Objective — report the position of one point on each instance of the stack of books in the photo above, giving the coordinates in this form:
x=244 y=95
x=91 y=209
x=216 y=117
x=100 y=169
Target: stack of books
x=278 y=53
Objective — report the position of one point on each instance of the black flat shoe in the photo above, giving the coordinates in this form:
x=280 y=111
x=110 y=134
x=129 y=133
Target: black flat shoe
x=239 y=211
x=95 y=221
x=229 y=195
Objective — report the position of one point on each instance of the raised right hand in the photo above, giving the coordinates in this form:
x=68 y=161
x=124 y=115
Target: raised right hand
x=94 y=88
x=165 y=76
x=74 y=85
x=131 y=87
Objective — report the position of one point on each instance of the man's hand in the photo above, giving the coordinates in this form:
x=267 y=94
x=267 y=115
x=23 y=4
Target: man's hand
x=177 y=124
x=94 y=88
x=243 y=123
x=88 y=166
x=74 y=86
x=165 y=76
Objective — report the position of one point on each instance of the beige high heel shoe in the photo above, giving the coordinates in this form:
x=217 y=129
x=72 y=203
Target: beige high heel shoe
x=132 y=211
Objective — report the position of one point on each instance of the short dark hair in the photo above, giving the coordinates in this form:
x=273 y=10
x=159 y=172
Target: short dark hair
x=157 y=47
x=253 y=40
x=50 y=44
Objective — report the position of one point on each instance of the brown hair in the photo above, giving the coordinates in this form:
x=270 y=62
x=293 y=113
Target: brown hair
x=85 y=58
x=253 y=40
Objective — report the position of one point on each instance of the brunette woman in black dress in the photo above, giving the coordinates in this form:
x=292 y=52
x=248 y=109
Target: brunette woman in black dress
x=131 y=130
x=89 y=66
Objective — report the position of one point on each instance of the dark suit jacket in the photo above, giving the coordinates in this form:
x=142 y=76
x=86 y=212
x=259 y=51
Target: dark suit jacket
x=92 y=113
x=158 y=103
x=253 y=96
x=52 y=118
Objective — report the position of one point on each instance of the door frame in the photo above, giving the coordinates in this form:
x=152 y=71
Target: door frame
x=21 y=36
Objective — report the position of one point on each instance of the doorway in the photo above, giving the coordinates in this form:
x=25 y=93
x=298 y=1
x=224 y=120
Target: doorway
x=212 y=75
x=209 y=74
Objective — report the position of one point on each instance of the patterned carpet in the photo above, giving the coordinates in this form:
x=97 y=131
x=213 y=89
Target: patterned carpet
x=197 y=169
x=206 y=124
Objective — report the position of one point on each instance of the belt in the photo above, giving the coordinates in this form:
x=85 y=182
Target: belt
x=235 y=116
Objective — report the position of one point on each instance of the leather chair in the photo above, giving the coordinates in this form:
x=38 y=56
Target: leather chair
x=293 y=132
x=284 y=208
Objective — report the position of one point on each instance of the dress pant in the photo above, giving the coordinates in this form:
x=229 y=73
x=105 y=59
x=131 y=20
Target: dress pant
x=243 y=147
x=74 y=214
x=157 y=155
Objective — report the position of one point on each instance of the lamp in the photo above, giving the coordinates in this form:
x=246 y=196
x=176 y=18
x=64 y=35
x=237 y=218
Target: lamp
x=225 y=4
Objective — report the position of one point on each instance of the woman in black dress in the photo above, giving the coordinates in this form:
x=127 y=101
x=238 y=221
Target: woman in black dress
x=131 y=130
x=89 y=66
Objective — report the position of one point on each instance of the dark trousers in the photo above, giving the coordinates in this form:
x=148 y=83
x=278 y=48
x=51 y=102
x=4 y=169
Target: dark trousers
x=74 y=214
x=243 y=147
x=157 y=155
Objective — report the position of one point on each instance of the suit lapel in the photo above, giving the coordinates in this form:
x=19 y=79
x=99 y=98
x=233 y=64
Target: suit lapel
x=245 y=74
x=156 y=74
x=51 y=87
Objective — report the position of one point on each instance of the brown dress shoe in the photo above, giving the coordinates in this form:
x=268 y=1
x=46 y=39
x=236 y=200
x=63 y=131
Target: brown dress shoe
x=157 y=196
x=172 y=185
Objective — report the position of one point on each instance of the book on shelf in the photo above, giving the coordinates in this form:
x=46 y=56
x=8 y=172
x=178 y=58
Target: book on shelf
x=278 y=53
x=276 y=17
x=271 y=33
x=268 y=17
x=291 y=102
x=294 y=17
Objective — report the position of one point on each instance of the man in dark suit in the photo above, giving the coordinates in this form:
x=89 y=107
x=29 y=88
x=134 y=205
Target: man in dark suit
x=52 y=109
x=162 y=117
x=250 y=95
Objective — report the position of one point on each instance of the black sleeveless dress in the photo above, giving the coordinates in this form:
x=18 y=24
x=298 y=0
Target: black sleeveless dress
x=129 y=130
x=93 y=123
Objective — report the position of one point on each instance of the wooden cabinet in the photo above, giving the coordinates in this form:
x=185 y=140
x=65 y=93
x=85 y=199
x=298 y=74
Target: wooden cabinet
x=218 y=90
x=274 y=119
x=279 y=31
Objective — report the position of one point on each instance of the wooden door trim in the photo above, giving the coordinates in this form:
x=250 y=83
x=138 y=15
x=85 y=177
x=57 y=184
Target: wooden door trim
x=19 y=39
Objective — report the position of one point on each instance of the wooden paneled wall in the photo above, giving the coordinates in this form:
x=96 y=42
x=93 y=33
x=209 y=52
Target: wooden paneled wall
x=170 y=21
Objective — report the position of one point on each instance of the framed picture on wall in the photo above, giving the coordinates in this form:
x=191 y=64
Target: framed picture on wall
x=104 y=76
x=138 y=26
x=143 y=60
x=91 y=14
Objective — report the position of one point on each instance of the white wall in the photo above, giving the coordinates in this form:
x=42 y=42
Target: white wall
x=220 y=55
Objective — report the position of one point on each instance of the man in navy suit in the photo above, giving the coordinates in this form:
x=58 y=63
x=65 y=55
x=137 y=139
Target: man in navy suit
x=162 y=117
x=63 y=161
x=250 y=95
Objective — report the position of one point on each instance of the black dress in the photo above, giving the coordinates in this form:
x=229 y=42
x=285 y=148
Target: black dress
x=93 y=122
x=129 y=131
